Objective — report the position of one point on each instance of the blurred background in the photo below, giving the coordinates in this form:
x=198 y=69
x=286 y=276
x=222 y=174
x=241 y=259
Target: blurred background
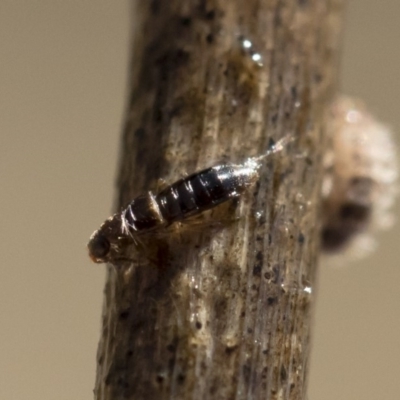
x=62 y=79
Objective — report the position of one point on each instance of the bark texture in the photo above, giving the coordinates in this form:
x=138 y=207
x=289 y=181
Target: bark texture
x=221 y=309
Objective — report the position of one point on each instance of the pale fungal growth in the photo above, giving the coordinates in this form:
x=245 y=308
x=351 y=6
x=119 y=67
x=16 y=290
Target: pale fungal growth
x=359 y=188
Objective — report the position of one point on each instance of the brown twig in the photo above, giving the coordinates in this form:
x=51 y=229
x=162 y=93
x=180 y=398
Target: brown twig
x=225 y=313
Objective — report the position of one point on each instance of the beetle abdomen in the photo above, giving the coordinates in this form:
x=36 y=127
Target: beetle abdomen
x=203 y=190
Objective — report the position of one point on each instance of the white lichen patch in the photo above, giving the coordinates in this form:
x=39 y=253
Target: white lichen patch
x=359 y=187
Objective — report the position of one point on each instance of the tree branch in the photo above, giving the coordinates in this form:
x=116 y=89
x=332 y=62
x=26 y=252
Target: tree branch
x=225 y=312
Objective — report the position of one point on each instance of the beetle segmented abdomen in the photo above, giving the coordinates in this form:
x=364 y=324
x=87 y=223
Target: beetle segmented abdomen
x=203 y=190
x=178 y=199
x=142 y=214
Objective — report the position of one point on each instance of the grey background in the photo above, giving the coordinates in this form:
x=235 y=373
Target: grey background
x=62 y=80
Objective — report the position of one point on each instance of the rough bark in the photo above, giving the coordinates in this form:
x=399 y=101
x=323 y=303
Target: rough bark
x=221 y=309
